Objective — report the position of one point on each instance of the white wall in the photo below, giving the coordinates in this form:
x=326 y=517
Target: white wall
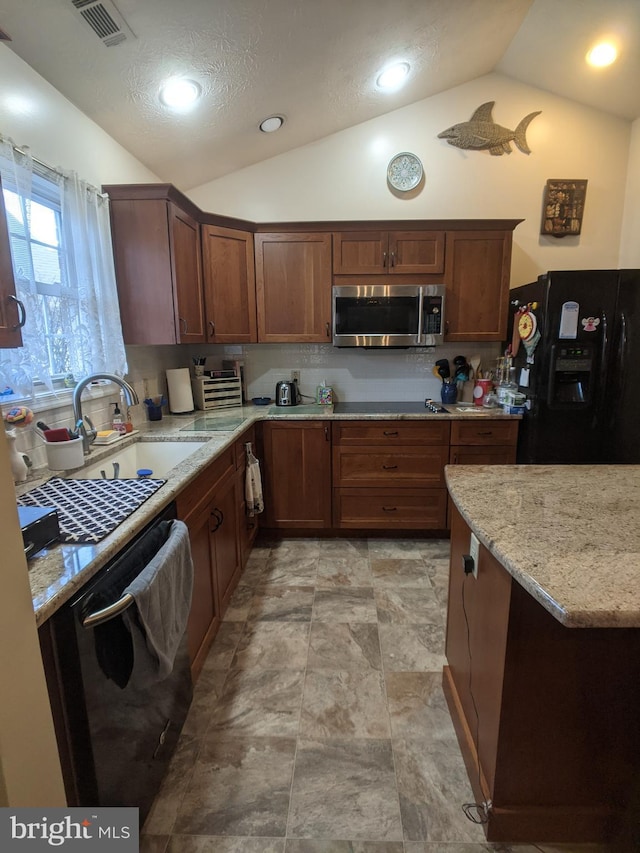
x=344 y=175
x=630 y=244
x=33 y=113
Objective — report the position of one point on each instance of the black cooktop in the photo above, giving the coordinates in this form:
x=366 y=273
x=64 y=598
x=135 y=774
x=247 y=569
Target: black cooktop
x=395 y=407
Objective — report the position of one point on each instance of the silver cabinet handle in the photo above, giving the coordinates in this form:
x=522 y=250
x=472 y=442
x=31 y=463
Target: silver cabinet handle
x=384 y=259
x=212 y=328
x=22 y=312
x=328 y=327
x=393 y=259
x=182 y=320
x=108 y=613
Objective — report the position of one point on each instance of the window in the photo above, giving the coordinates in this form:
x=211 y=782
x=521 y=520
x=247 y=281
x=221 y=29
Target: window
x=38 y=256
x=62 y=259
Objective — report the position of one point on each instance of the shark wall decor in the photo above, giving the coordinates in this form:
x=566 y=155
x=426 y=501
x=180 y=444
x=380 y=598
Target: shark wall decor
x=481 y=133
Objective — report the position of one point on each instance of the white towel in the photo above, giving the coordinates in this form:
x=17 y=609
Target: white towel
x=253 y=486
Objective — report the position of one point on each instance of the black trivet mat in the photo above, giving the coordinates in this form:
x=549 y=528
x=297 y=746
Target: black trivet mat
x=88 y=510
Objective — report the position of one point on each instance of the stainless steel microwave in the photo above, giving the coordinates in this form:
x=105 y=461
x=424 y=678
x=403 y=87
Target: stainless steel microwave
x=388 y=315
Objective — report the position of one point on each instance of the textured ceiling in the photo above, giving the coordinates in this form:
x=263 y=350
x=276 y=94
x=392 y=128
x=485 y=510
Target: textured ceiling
x=312 y=61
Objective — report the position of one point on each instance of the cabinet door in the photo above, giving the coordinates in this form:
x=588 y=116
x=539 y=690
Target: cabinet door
x=416 y=252
x=186 y=265
x=10 y=310
x=224 y=508
x=359 y=252
x=297 y=474
x=204 y=616
x=293 y=287
x=229 y=285
x=477 y=278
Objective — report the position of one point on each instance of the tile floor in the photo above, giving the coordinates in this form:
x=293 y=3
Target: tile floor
x=318 y=723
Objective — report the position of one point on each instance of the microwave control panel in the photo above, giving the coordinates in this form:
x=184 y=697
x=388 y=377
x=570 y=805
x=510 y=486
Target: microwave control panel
x=432 y=315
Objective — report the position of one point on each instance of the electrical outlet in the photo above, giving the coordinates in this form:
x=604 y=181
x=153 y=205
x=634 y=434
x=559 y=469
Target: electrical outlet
x=474 y=551
x=295 y=376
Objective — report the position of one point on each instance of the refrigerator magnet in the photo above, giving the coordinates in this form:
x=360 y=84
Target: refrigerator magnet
x=590 y=324
x=569 y=321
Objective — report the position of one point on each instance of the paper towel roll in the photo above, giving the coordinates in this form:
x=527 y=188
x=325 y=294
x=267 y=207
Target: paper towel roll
x=180 y=394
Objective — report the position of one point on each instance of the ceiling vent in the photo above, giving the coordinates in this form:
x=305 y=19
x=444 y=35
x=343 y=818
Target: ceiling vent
x=104 y=20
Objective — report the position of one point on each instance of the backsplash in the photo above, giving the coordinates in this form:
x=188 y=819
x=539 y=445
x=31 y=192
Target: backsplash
x=354 y=374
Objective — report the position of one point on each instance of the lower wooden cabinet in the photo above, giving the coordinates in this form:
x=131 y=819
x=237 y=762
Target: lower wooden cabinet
x=297 y=474
x=209 y=508
x=545 y=715
x=390 y=475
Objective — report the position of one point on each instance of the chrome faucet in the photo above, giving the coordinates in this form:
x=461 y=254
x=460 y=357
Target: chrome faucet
x=89 y=435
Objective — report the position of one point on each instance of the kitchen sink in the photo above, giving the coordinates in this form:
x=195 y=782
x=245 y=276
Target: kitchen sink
x=159 y=456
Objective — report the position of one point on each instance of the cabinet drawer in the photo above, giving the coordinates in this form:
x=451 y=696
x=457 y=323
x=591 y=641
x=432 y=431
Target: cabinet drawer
x=487 y=432
x=390 y=508
x=192 y=495
x=493 y=454
x=375 y=466
x=391 y=433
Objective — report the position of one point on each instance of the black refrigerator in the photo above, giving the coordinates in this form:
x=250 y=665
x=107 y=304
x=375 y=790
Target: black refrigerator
x=583 y=392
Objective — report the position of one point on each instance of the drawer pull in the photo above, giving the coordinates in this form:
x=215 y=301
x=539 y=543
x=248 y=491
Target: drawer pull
x=390 y=432
x=389 y=508
x=486 y=432
x=389 y=467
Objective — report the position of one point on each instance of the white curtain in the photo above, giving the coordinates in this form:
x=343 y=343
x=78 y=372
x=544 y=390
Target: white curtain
x=73 y=317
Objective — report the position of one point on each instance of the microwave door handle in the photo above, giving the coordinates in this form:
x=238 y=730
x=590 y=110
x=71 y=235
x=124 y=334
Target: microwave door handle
x=420 y=312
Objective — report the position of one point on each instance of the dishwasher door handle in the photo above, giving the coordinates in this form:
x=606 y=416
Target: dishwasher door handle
x=109 y=612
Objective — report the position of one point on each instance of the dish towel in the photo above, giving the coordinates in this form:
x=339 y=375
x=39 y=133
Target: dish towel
x=253 y=486
x=158 y=619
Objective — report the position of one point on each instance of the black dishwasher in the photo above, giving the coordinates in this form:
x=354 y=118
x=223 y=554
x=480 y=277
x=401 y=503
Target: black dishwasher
x=115 y=741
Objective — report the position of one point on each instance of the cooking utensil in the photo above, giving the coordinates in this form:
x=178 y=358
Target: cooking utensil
x=474 y=362
x=436 y=371
x=443 y=367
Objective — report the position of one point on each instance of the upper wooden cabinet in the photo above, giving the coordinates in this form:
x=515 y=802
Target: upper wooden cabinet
x=11 y=310
x=229 y=285
x=156 y=246
x=293 y=287
x=477 y=277
x=389 y=252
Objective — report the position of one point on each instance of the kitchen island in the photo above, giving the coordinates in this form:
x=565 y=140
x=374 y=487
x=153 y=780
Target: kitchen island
x=543 y=648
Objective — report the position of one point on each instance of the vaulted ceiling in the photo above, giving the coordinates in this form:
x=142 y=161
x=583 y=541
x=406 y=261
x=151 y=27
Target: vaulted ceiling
x=314 y=63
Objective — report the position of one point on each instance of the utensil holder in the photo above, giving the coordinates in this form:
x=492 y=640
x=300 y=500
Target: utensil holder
x=449 y=392
x=62 y=455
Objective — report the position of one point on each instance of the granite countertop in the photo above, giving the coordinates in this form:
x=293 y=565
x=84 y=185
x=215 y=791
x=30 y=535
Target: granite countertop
x=569 y=534
x=56 y=573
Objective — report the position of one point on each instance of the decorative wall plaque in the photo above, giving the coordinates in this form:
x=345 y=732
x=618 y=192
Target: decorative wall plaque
x=563 y=207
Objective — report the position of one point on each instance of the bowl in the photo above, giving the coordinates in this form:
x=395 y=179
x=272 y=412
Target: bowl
x=261 y=401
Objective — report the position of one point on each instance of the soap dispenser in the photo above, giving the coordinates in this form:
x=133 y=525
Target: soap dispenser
x=118 y=424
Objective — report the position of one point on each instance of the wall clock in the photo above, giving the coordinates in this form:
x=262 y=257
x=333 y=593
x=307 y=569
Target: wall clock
x=404 y=172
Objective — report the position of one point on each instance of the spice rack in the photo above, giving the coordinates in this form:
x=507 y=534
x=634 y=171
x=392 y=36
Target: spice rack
x=215 y=393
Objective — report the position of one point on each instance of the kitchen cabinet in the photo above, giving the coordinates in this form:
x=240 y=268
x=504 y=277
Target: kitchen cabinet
x=388 y=252
x=293 y=287
x=157 y=255
x=390 y=474
x=229 y=285
x=297 y=474
x=483 y=442
x=545 y=715
x=477 y=270
x=11 y=310
x=208 y=508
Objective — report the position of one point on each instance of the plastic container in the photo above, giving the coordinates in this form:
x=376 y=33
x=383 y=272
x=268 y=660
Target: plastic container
x=62 y=455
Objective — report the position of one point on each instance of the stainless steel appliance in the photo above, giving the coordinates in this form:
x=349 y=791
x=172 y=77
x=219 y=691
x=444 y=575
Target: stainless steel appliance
x=388 y=315
x=580 y=380
x=115 y=737
x=287 y=394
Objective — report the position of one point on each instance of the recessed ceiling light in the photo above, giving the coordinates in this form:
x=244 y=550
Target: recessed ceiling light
x=393 y=77
x=602 y=54
x=271 y=124
x=180 y=93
